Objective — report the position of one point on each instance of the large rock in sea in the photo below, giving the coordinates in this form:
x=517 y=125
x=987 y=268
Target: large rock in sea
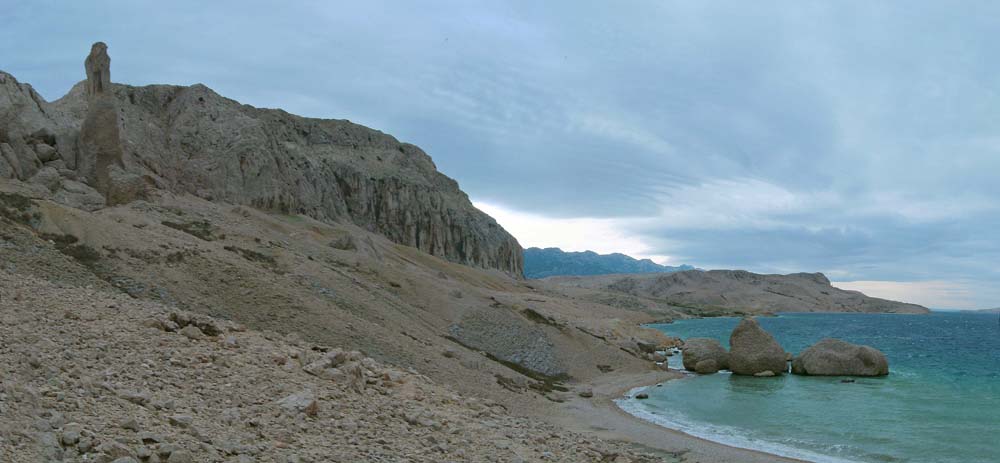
x=753 y=350
x=706 y=367
x=833 y=357
x=698 y=349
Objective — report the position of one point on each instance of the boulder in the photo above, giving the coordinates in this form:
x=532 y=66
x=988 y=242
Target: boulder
x=47 y=177
x=645 y=347
x=45 y=152
x=706 y=367
x=753 y=350
x=698 y=349
x=833 y=357
x=20 y=158
x=124 y=187
x=6 y=169
x=78 y=195
x=192 y=332
x=303 y=401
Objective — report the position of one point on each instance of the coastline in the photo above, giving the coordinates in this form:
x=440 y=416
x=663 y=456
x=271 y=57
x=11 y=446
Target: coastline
x=601 y=416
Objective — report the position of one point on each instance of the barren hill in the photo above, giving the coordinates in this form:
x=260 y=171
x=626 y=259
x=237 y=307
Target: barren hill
x=192 y=140
x=740 y=291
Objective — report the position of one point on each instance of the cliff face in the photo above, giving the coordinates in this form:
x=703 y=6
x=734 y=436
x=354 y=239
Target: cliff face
x=739 y=290
x=192 y=140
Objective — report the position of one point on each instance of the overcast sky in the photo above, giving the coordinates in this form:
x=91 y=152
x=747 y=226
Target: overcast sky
x=860 y=139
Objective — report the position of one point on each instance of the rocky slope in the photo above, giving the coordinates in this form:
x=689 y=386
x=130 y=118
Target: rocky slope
x=192 y=140
x=738 y=291
x=87 y=375
x=541 y=263
x=334 y=284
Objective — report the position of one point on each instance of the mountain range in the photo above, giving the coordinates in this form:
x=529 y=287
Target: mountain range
x=541 y=263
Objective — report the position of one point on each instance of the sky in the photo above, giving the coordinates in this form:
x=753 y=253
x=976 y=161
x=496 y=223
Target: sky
x=856 y=138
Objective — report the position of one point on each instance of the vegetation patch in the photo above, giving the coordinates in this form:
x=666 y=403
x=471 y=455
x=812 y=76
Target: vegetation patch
x=536 y=317
x=344 y=243
x=254 y=256
x=69 y=245
x=200 y=229
x=18 y=209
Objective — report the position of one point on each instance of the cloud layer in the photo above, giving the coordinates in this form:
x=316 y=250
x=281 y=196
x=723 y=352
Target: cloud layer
x=857 y=138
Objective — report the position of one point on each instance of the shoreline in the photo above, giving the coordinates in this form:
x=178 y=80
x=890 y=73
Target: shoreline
x=603 y=417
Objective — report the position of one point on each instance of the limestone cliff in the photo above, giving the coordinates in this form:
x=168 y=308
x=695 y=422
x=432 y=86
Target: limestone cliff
x=192 y=140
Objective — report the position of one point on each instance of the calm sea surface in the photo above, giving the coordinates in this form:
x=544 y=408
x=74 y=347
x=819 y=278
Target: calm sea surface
x=940 y=402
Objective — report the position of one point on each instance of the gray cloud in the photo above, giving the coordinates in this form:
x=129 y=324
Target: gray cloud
x=854 y=137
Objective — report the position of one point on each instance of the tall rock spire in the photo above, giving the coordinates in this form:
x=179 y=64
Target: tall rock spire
x=101 y=144
x=98 y=66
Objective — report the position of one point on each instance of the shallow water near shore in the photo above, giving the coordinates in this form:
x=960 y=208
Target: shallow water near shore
x=940 y=403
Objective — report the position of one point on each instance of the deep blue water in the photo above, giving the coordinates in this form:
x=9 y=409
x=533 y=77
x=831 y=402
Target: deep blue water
x=940 y=402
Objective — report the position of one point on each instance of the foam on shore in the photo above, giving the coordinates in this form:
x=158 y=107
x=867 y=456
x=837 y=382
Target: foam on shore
x=725 y=435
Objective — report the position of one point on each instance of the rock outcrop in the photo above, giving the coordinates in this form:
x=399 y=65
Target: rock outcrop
x=753 y=351
x=191 y=140
x=697 y=350
x=833 y=357
x=510 y=338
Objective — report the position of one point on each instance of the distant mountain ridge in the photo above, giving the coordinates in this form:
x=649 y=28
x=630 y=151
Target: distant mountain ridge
x=729 y=291
x=996 y=310
x=547 y=262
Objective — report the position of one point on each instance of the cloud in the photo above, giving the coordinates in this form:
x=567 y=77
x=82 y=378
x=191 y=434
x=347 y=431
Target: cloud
x=934 y=294
x=601 y=235
x=793 y=136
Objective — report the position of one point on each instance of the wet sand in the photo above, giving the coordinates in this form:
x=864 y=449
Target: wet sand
x=600 y=415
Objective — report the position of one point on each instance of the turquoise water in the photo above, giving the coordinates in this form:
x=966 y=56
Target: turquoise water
x=940 y=402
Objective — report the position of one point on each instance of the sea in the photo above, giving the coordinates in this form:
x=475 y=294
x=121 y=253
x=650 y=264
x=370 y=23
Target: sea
x=940 y=402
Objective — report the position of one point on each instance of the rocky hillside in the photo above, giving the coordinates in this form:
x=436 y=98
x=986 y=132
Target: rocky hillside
x=334 y=284
x=541 y=263
x=733 y=291
x=126 y=380
x=106 y=143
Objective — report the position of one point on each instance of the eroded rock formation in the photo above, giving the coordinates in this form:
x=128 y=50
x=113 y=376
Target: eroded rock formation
x=123 y=140
x=98 y=67
x=101 y=146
